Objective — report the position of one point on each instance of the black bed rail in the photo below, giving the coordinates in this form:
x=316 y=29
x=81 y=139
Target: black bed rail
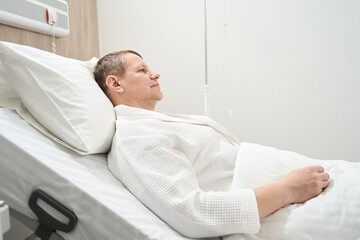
x=48 y=223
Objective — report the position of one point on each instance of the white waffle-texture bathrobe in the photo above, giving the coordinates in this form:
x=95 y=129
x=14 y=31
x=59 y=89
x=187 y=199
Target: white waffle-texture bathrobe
x=181 y=167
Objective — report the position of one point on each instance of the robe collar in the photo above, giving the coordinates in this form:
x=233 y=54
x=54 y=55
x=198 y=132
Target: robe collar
x=124 y=112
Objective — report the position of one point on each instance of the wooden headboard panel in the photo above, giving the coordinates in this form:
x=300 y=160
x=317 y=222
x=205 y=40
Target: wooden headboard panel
x=82 y=43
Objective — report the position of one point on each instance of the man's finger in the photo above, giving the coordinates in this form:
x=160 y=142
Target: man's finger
x=325 y=176
x=319 y=169
x=325 y=184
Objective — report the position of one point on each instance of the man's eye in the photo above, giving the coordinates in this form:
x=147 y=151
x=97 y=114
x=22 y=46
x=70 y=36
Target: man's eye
x=142 y=70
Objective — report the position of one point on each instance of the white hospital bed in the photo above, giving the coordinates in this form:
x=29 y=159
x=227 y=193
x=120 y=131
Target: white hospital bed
x=63 y=96
x=105 y=209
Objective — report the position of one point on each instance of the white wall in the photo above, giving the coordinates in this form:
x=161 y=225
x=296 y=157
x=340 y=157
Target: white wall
x=288 y=71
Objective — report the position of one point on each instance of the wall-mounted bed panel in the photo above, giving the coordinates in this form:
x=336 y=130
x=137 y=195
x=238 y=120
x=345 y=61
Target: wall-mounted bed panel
x=32 y=15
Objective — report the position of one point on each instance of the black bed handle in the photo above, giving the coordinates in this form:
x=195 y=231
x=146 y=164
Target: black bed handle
x=48 y=224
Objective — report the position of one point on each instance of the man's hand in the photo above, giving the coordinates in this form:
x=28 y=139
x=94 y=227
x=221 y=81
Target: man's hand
x=305 y=183
x=298 y=186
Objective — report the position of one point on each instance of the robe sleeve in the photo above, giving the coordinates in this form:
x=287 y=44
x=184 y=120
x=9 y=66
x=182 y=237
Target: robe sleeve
x=154 y=168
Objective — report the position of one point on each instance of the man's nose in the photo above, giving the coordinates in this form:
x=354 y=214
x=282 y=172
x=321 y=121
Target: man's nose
x=154 y=76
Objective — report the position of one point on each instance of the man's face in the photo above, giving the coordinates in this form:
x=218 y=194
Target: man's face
x=140 y=83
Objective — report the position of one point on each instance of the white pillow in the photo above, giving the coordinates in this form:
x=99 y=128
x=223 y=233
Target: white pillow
x=59 y=96
x=333 y=215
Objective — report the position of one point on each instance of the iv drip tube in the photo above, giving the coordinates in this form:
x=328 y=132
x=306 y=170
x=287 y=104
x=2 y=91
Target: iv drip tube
x=206 y=86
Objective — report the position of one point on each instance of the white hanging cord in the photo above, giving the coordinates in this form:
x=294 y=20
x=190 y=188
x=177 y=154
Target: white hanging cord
x=53 y=44
x=52 y=18
x=206 y=85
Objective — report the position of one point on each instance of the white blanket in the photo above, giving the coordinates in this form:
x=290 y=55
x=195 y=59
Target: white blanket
x=334 y=214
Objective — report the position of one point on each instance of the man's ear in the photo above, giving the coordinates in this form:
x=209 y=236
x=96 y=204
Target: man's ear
x=113 y=84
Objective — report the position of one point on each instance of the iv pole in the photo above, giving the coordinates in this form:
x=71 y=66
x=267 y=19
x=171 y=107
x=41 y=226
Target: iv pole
x=206 y=86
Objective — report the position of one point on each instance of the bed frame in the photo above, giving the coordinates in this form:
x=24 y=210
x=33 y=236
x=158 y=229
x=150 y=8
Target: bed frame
x=32 y=224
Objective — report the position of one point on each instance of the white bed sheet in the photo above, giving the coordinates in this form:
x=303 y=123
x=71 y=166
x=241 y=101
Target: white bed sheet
x=333 y=215
x=104 y=207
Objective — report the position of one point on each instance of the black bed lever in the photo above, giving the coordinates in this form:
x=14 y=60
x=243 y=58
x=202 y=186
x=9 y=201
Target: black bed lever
x=48 y=224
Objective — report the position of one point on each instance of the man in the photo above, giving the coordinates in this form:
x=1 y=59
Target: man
x=181 y=167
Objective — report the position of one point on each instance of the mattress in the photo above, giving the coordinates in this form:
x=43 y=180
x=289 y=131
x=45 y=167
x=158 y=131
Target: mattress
x=104 y=207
